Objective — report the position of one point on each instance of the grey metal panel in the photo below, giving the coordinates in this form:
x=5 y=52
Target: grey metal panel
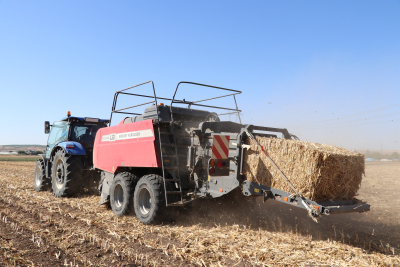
x=250 y=188
x=107 y=183
x=232 y=165
x=226 y=183
x=221 y=126
x=232 y=153
x=133 y=119
x=164 y=112
x=337 y=202
x=362 y=207
x=190 y=111
x=150 y=113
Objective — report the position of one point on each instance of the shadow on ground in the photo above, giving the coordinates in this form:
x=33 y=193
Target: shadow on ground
x=357 y=229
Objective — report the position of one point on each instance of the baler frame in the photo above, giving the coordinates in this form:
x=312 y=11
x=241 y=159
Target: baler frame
x=204 y=132
x=176 y=177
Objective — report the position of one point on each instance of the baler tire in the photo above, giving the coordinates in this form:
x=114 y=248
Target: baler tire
x=66 y=174
x=40 y=182
x=121 y=193
x=149 y=199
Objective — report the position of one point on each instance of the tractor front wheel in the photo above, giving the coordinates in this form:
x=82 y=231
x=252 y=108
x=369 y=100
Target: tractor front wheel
x=66 y=174
x=121 y=193
x=149 y=199
x=40 y=183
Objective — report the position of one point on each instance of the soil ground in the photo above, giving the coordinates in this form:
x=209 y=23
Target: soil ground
x=38 y=229
x=379 y=226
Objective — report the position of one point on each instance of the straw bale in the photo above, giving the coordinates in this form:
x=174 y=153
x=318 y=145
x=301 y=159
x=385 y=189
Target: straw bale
x=318 y=171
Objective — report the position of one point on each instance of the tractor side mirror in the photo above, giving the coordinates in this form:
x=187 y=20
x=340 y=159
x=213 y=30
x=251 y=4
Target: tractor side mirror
x=46 y=127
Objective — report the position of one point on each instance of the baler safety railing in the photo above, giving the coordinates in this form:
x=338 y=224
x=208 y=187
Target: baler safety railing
x=113 y=110
x=173 y=100
x=122 y=92
x=190 y=103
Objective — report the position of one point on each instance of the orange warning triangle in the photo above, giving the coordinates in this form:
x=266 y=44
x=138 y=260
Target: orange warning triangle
x=219 y=164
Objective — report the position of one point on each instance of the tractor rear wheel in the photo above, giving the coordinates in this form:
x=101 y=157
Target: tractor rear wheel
x=121 y=193
x=66 y=174
x=149 y=199
x=40 y=182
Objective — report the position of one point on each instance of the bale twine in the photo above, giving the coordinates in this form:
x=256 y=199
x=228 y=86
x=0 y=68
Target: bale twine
x=318 y=172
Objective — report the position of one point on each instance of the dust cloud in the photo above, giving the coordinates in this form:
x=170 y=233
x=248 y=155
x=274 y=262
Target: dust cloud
x=376 y=228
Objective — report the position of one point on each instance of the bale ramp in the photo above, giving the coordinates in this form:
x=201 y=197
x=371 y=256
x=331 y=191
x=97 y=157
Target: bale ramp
x=319 y=172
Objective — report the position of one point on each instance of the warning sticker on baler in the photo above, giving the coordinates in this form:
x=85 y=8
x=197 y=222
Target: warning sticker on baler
x=220 y=148
x=127 y=135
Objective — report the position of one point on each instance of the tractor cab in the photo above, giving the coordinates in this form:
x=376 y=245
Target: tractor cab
x=66 y=168
x=74 y=134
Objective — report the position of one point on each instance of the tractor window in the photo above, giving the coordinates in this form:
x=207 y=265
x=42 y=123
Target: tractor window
x=85 y=133
x=59 y=133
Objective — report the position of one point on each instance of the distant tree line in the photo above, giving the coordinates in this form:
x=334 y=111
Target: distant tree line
x=377 y=155
x=21 y=152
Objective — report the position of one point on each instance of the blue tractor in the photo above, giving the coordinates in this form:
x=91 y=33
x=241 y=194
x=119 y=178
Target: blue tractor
x=67 y=166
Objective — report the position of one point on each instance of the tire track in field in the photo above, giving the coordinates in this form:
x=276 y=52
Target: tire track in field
x=21 y=247
x=80 y=219
x=163 y=238
x=82 y=241
x=78 y=223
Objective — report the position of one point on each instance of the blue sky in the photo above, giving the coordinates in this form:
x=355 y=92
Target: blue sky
x=308 y=66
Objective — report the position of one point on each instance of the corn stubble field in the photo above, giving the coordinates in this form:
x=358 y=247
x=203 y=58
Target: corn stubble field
x=38 y=229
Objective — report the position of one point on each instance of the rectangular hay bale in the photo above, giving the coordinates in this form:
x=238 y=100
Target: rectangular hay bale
x=318 y=172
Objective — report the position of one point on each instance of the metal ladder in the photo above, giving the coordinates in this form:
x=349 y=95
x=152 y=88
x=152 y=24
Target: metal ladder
x=174 y=169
